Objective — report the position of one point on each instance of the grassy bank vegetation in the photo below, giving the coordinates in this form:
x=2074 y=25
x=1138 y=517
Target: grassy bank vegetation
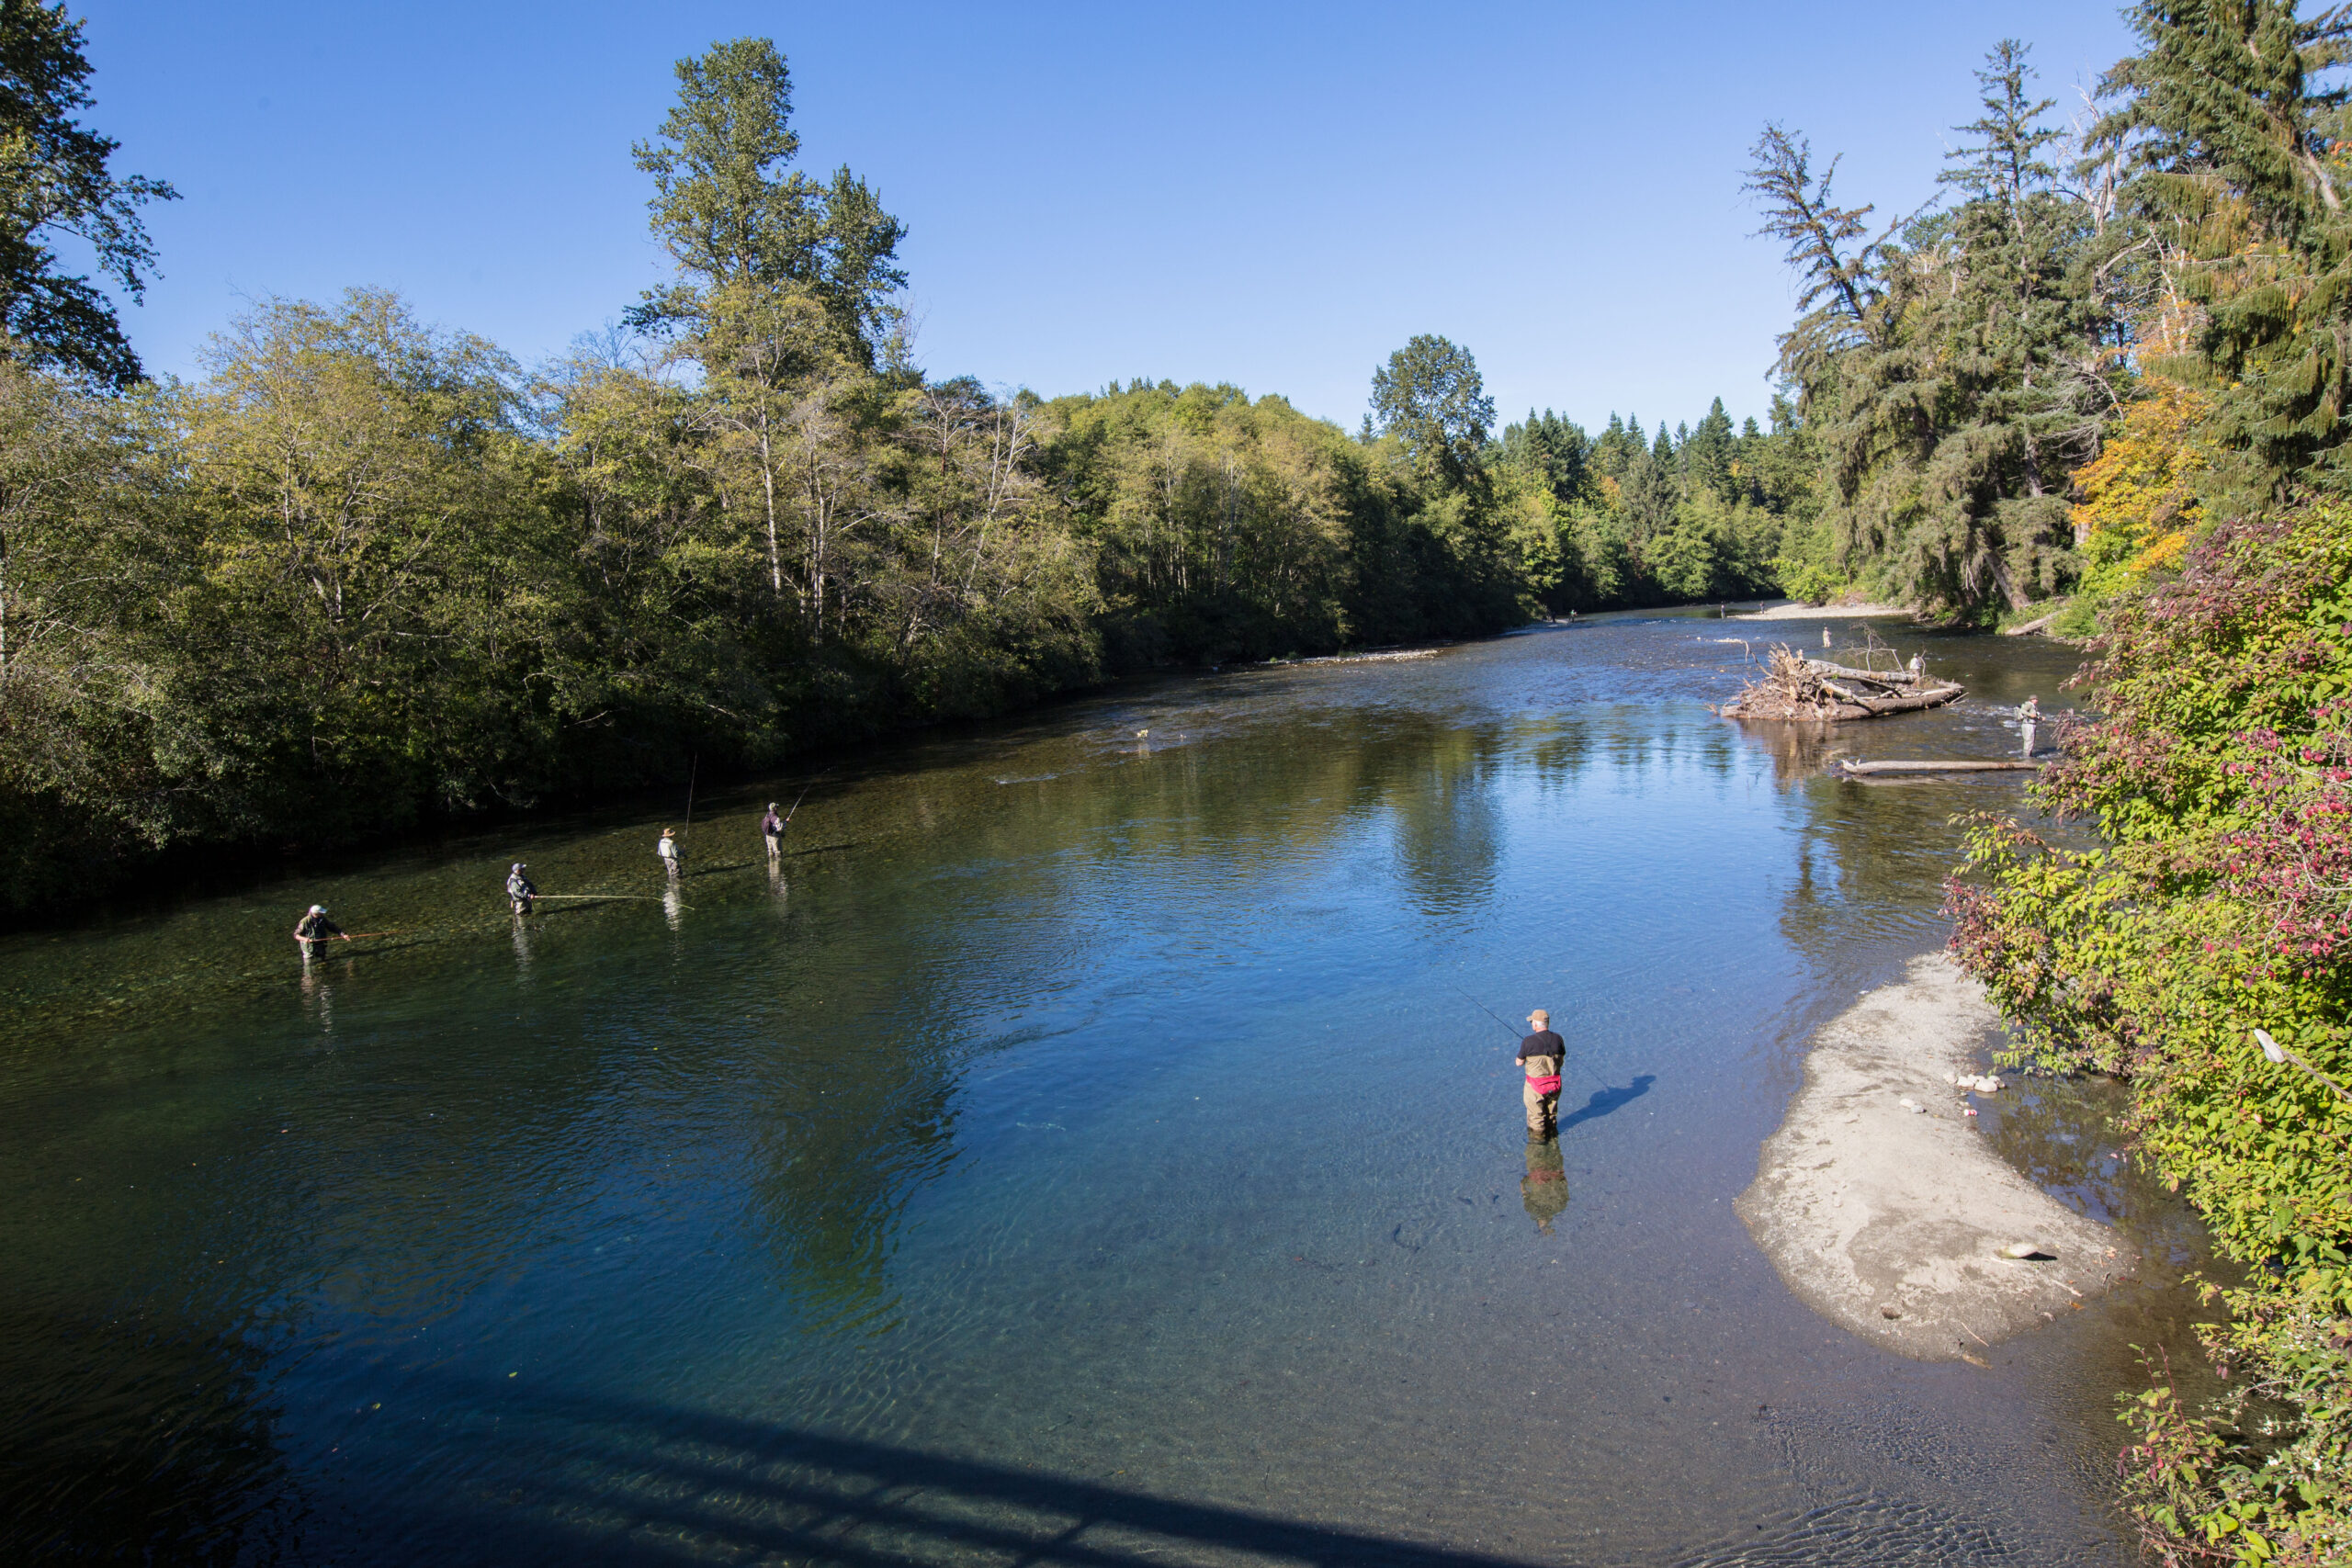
x=367 y=572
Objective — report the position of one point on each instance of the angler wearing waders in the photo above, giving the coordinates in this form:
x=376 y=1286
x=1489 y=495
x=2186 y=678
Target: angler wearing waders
x=519 y=889
x=772 y=830
x=1539 y=1056
x=668 y=849
x=315 y=927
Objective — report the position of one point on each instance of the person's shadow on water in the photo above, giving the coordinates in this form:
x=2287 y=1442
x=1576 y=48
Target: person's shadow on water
x=1605 y=1100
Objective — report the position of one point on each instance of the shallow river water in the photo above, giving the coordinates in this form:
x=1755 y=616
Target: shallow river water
x=1088 y=1149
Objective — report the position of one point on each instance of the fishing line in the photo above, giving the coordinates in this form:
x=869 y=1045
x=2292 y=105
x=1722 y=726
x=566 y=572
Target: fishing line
x=1516 y=1035
x=803 y=796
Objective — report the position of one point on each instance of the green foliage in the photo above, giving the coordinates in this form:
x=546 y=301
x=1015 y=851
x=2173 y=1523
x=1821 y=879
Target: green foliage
x=1599 y=523
x=740 y=226
x=2235 y=149
x=54 y=180
x=2220 y=773
x=1955 y=367
x=1430 y=399
x=365 y=574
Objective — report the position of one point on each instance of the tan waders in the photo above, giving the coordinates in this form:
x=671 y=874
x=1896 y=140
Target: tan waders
x=1542 y=1110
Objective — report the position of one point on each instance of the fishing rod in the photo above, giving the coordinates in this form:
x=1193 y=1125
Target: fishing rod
x=692 y=769
x=596 y=897
x=1515 y=1034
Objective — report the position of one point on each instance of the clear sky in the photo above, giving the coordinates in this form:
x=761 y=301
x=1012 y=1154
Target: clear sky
x=1269 y=193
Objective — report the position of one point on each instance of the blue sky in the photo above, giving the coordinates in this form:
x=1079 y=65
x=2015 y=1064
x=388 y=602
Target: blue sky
x=1272 y=194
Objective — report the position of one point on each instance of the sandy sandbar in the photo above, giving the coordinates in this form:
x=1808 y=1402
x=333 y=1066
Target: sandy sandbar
x=1797 y=610
x=1890 y=1222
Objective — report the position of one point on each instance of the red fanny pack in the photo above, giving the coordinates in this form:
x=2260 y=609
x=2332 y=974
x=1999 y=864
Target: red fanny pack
x=1545 y=1086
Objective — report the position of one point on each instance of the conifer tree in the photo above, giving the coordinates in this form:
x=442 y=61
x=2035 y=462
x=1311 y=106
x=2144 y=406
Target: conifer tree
x=2231 y=126
x=743 y=227
x=1956 y=366
x=54 y=180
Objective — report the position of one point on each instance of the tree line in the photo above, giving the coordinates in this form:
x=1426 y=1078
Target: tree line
x=363 y=572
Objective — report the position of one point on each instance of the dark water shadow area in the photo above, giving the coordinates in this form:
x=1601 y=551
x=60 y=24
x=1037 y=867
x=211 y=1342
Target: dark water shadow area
x=628 y=1483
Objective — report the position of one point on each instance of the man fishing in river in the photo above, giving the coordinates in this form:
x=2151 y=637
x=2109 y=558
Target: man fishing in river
x=1540 y=1056
x=315 y=927
x=520 y=890
x=772 y=830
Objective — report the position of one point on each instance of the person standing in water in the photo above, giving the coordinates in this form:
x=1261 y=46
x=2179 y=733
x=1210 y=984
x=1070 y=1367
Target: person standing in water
x=772 y=830
x=519 y=889
x=1539 y=1057
x=315 y=927
x=2029 y=716
x=668 y=849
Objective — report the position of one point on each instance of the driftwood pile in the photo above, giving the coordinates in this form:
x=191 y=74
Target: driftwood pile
x=1802 y=688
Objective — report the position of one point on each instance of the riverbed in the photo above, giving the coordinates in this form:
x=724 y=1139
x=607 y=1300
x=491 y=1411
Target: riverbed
x=1092 y=1143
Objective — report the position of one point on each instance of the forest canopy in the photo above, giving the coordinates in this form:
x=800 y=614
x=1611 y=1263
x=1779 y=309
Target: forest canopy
x=365 y=572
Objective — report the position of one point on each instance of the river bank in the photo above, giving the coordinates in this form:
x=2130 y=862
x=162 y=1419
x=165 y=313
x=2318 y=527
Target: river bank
x=1883 y=1208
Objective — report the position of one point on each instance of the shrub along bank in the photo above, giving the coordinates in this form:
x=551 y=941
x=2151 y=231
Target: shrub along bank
x=2220 y=904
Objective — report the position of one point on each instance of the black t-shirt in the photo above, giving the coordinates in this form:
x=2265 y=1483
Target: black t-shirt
x=1543 y=1042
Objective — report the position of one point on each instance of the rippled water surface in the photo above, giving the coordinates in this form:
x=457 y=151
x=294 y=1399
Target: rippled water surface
x=1088 y=1149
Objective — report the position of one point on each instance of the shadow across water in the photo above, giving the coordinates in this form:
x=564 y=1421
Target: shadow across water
x=1605 y=1100
x=633 y=1483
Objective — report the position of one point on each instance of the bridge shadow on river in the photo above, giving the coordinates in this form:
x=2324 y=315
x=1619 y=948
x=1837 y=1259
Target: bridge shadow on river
x=630 y=1483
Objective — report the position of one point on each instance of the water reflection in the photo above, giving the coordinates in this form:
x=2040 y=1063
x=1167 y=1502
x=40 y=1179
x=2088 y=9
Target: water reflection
x=1798 y=751
x=1543 y=1190
x=1448 y=829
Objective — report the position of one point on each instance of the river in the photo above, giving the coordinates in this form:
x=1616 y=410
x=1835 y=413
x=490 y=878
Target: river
x=1089 y=1148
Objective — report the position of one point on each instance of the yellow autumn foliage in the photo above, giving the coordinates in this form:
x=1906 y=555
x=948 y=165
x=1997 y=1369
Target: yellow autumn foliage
x=2139 y=495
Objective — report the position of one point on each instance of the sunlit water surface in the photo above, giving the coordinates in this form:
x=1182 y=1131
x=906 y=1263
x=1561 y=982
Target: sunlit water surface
x=1088 y=1149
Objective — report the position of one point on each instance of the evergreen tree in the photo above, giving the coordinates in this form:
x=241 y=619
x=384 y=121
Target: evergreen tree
x=1616 y=446
x=745 y=229
x=1707 y=453
x=54 y=180
x=1955 y=367
x=2234 y=144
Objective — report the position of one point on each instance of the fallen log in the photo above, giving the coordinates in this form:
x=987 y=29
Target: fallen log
x=1867 y=768
x=1933 y=697
x=1795 y=688
x=1872 y=677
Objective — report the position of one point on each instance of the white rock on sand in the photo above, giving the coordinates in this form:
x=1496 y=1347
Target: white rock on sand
x=1797 y=610
x=1894 y=1225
